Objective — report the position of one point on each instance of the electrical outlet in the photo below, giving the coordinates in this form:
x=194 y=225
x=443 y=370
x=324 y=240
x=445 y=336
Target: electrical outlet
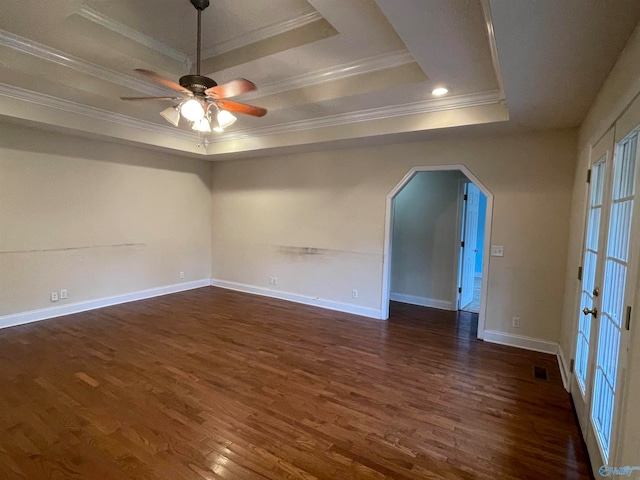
x=63 y=294
x=515 y=322
x=354 y=293
x=54 y=296
x=275 y=280
x=181 y=275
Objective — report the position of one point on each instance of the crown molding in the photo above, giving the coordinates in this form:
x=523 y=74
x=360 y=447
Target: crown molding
x=109 y=23
x=262 y=34
x=415 y=108
x=488 y=19
x=30 y=47
x=44 y=100
x=339 y=72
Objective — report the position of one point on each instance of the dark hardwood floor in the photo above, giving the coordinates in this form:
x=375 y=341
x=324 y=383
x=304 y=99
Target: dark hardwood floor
x=217 y=384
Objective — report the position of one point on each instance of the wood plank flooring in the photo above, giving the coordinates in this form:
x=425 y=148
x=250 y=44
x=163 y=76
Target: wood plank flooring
x=214 y=384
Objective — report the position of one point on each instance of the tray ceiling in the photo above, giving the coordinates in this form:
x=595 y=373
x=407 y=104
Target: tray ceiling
x=327 y=70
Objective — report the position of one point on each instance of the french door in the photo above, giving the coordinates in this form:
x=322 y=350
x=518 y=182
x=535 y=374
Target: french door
x=609 y=269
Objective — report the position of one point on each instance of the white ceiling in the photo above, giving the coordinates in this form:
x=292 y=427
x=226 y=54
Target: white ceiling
x=336 y=72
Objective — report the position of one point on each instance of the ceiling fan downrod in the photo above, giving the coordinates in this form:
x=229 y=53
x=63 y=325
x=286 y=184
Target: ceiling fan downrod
x=198 y=83
x=200 y=6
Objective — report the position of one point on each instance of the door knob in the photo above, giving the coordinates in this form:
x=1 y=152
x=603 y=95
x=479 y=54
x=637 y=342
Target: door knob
x=593 y=311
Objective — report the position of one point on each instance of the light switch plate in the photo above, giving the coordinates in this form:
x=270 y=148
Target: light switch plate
x=497 y=250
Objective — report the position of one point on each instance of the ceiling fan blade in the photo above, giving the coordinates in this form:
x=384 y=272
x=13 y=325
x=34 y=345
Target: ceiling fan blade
x=149 y=98
x=231 y=89
x=241 y=108
x=162 y=81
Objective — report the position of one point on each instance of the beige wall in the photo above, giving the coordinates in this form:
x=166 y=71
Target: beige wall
x=267 y=211
x=425 y=238
x=97 y=219
x=621 y=87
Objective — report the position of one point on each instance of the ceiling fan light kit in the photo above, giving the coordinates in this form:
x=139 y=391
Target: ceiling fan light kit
x=192 y=110
x=202 y=125
x=200 y=94
x=171 y=115
x=225 y=118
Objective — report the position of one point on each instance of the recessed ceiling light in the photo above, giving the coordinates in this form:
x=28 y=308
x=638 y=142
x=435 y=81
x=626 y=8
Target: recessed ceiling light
x=438 y=92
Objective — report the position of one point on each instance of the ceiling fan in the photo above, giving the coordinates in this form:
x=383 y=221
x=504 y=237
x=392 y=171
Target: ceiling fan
x=201 y=96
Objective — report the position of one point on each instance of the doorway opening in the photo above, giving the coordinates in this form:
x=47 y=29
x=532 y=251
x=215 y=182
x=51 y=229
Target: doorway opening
x=427 y=238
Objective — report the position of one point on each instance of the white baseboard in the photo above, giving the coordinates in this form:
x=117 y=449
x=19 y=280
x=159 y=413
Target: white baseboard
x=520 y=341
x=294 y=297
x=564 y=368
x=68 y=309
x=421 y=301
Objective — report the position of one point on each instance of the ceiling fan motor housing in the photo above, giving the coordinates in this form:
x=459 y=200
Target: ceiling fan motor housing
x=197 y=83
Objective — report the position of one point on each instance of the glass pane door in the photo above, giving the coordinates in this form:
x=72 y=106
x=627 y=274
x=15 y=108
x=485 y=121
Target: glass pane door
x=613 y=291
x=590 y=262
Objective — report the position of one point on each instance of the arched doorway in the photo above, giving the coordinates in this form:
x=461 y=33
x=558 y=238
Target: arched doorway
x=388 y=240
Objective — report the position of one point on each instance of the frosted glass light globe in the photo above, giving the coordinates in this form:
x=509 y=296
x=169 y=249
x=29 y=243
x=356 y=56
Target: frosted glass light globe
x=192 y=110
x=202 y=125
x=225 y=119
x=171 y=115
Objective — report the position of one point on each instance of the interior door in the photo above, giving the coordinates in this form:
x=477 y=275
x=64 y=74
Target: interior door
x=469 y=244
x=608 y=286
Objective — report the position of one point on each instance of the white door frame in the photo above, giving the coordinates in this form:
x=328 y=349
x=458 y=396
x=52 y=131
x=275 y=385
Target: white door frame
x=386 y=260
